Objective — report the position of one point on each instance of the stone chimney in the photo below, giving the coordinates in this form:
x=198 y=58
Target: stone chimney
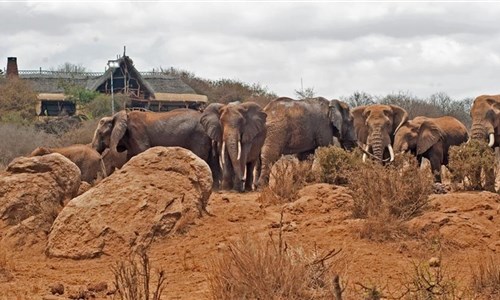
x=12 y=71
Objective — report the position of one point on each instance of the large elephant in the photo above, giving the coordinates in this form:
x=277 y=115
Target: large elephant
x=485 y=113
x=301 y=126
x=87 y=159
x=238 y=132
x=375 y=127
x=137 y=131
x=430 y=138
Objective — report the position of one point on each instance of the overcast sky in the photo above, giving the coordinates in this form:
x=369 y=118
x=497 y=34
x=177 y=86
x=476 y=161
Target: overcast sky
x=335 y=48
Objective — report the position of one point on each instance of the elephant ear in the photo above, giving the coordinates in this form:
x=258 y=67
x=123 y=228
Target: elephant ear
x=255 y=121
x=119 y=128
x=360 y=126
x=336 y=116
x=210 y=120
x=428 y=135
x=399 y=117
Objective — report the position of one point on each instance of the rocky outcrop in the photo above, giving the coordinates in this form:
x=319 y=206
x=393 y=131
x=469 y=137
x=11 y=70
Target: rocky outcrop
x=32 y=192
x=157 y=193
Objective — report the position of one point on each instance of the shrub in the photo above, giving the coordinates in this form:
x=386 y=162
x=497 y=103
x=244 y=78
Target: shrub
x=288 y=175
x=333 y=164
x=20 y=140
x=17 y=101
x=486 y=278
x=133 y=278
x=399 y=190
x=473 y=164
x=255 y=268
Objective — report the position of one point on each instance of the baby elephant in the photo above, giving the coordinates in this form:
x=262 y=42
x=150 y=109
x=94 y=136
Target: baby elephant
x=430 y=138
x=85 y=157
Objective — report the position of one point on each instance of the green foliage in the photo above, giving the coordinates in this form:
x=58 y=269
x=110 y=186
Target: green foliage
x=305 y=93
x=469 y=160
x=17 y=101
x=78 y=94
x=101 y=105
x=333 y=164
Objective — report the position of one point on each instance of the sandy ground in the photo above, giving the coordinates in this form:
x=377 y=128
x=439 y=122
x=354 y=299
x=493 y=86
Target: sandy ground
x=186 y=257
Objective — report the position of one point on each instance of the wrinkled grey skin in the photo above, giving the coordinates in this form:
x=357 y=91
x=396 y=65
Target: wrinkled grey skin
x=485 y=113
x=230 y=125
x=137 y=131
x=430 y=138
x=375 y=127
x=301 y=126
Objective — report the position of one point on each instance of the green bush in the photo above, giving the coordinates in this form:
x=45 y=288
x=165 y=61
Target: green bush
x=333 y=164
x=474 y=165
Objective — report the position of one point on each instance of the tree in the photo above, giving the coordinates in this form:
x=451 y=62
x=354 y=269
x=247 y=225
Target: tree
x=68 y=67
x=359 y=99
x=305 y=93
x=17 y=101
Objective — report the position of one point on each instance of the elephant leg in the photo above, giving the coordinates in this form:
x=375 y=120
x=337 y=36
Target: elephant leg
x=249 y=176
x=270 y=154
x=435 y=160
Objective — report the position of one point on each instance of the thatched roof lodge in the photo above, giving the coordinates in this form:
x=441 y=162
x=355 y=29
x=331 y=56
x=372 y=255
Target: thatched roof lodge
x=147 y=90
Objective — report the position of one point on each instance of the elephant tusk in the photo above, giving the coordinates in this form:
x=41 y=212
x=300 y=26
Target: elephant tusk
x=492 y=140
x=364 y=154
x=239 y=150
x=223 y=154
x=391 y=152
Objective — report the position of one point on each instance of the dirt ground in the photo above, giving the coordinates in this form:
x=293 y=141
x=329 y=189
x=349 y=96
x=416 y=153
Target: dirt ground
x=462 y=229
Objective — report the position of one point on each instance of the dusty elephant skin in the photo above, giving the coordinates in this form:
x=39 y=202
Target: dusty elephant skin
x=375 y=128
x=430 y=138
x=238 y=132
x=157 y=193
x=85 y=157
x=32 y=192
x=301 y=126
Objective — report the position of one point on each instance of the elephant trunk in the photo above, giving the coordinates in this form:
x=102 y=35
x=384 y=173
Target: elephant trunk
x=479 y=132
x=234 y=149
x=376 y=144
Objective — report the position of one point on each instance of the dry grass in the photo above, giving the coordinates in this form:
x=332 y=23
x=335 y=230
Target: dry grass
x=133 y=279
x=287 y=177
x=486 y=278
x=253 y=268
x=474 y=165
x=386 y=196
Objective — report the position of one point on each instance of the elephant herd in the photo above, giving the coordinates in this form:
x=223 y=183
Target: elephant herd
x=241 y=141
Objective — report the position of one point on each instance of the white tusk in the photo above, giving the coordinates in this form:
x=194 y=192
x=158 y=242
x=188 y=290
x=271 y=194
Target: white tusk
x=364 y=154
x=239 y=150
x=245 y=174
x=492 y=140
x=223 y=153
x=391 y=152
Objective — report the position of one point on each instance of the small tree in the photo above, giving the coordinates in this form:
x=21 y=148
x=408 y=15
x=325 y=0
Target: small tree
x=17 y=101
x=305 y=93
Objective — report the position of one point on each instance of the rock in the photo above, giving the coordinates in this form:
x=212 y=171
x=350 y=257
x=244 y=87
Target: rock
x=157 y=193
x=56 y=288
x=434 y=262
x=98 y=287
x=32 y=192
x=84 y=186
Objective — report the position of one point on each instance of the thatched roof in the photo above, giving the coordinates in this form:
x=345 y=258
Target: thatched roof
x=167 y=84
x=167 y=97
x=51 y=96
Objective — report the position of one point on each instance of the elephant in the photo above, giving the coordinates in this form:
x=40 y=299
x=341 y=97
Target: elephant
x=375 y=127
x=137 y=131
x=238 y=131
x=113 y=160
x=301 y=126
x=431 y=138
x=85 y=157
x=485 y=113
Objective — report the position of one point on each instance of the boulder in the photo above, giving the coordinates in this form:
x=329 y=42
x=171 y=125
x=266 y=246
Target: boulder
x=157 y=193
x=32 y=192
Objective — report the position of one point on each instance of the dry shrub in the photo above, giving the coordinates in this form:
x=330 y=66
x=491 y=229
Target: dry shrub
x=486 y=278
x=18 y=140
x=389 y=195
x=333 y=164
x=400 y=190
x=288 y=175
x=254 y=268
x=474 y=164
x=425 y=282
x=133 y=278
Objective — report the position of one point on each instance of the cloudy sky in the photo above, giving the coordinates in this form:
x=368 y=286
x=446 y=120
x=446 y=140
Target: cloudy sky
x=335 y=48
